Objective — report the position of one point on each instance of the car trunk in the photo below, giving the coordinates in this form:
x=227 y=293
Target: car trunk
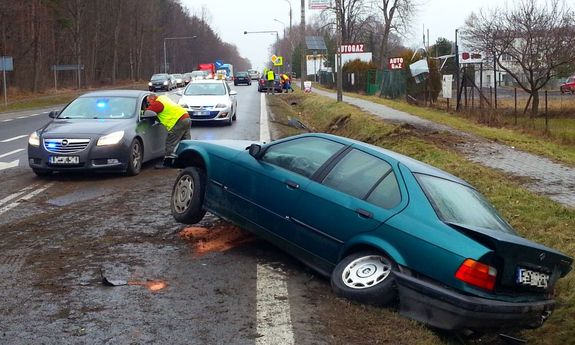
x=522 y=265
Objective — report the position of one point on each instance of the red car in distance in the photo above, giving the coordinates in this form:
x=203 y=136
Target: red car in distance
x=568 y=85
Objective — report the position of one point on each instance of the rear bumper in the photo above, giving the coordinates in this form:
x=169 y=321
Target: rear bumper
x=446 y=309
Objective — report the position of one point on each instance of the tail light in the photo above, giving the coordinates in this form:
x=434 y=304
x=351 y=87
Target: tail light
x=477 y=274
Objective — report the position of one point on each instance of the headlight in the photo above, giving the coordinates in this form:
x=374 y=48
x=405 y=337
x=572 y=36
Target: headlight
x=34 y=139
x=221 y=105
x=111 y=139
x=166 y=82
x=150 y=84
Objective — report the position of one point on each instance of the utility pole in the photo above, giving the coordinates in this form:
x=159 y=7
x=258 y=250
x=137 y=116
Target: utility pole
x=303 y=47
x=338 y=53
x=458 y=96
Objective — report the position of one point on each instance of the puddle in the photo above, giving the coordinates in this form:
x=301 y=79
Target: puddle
x=218 y=238
x=78 y=196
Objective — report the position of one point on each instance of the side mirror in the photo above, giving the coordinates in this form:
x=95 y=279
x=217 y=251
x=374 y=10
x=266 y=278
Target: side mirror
x=255 y=151
x=54 y=114
x=149 y=114
x=233 y=93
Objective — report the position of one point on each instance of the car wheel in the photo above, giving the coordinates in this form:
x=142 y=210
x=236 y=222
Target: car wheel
x=365 y=277
x=42 y=173
x=135 y=158
x=235 y=115
x=188 y=196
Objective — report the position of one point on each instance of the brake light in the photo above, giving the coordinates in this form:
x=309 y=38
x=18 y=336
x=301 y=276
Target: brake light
x=477 y=274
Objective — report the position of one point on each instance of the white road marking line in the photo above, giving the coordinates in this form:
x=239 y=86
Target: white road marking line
x=35 y=114
x=25 y=197
x=7 y=120
x=17 y=194
x=22 y=117
x=273 y=311
x=9 y=164
x=10 y=153
x=264 y=124
x=13 y=138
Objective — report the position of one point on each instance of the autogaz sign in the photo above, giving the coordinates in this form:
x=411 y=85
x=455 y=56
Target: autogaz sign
x=351 y=48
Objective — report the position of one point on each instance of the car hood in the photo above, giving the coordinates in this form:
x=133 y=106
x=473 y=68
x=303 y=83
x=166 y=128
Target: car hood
x=517 y=251
x=69 y=127
x=205 y=101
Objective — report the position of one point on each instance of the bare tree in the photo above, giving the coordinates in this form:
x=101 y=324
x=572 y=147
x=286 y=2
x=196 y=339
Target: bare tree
x=535 y=39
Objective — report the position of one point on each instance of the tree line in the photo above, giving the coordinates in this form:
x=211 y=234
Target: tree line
x=113 y=40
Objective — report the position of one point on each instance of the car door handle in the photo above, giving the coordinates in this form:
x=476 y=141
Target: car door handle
x=292 y=184
x=363 y=213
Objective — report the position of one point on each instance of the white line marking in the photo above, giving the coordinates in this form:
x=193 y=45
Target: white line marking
x=273 y=312
x=35 y=114
x=10 y=153
x=17 y=194
x=7 y=120
x=22 y=117
x=13 y=138
x=9 y=164
x=264 y=124
x=25 y=197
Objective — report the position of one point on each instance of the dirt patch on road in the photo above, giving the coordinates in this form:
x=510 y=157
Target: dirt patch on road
x=217 y=238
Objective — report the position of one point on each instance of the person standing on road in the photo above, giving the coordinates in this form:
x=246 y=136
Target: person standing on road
x=176 y=120
x=271 y=77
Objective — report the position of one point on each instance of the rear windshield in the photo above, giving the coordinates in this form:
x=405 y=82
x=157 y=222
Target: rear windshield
x=100 y=108
x=159 y=77
x=213 y=89
x=460 y=204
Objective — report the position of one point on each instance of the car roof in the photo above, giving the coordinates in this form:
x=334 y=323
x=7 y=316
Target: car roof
x=412 y=164
x=208 y=81
x=116 y=93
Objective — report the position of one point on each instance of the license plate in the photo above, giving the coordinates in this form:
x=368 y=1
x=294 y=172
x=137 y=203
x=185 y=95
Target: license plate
x=64 y=159
x=201 y=113
x=532 y=278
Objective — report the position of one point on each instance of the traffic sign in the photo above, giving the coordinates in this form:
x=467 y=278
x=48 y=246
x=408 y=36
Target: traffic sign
x=278 y=61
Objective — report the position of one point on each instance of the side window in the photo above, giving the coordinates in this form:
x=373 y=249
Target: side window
x=365 y=177
x=303 y=156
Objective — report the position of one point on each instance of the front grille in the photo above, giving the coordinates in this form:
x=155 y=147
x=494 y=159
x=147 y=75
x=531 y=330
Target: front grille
x=65 y=145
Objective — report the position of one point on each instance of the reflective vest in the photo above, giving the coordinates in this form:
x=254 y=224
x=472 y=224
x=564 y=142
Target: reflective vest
x=171 y=113
x=271 y=75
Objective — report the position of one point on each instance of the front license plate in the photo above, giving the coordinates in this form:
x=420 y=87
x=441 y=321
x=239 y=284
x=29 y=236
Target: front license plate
x=201 y=113
x=532 y=278
x=64 y=159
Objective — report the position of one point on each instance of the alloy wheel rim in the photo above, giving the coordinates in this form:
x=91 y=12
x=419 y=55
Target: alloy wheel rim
x=136 y=155
x=366 y=272
x=183 y=194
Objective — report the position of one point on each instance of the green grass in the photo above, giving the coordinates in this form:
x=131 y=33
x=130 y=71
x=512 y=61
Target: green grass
x=534 y=217
x=560 y=148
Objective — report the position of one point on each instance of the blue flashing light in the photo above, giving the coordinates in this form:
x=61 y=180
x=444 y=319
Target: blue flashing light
x=51 y=145
x=102 y=103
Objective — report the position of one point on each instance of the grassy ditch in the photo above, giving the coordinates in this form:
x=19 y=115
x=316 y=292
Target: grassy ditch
x=533 y=216
x=559 y=147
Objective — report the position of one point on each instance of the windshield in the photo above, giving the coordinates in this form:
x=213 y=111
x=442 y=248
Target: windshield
x=159 y=77
x=242 y=74
x=211 y=89
x=100 y=108
x=460 y=204
x=198 y=73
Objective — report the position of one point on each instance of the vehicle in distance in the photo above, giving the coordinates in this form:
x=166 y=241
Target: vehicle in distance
x=161 y=81
x=383 y=226
x=254 y=74
x=242 y=78
x=187 y=78
x=568 y=85
x=99 y=131
x=179 y=79
x=263 y=87
x=199 y=75
x=209 y=100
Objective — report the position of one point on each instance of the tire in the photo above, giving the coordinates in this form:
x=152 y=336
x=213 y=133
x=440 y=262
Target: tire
x=235 y=115
x=188 y=196
x=42 y=173
x=366 y=277
x=135 y=158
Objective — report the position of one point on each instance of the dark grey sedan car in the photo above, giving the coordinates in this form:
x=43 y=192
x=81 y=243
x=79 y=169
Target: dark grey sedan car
x=100 y=131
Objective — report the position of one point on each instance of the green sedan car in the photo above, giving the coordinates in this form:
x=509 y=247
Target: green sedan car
x=384 y=227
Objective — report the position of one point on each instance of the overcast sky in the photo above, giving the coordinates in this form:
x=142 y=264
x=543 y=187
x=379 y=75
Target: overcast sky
x=230 y=18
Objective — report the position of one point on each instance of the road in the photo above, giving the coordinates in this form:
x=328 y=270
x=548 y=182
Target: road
x=67 y=238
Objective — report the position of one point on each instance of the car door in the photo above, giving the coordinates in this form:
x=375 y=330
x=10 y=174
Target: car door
x=152 y=132
x=267 y=190
x=355 y=196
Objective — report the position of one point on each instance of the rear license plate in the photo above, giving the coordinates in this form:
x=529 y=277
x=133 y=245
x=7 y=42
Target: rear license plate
x=64 y=159
x=201 y=113
x=532 y=278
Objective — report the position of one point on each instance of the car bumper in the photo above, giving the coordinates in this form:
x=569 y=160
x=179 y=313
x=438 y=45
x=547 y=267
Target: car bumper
x=214 y=115
x=94 y=158
x=446 y=309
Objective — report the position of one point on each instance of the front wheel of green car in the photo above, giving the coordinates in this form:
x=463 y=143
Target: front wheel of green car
x=188 y=196
x=366 y=277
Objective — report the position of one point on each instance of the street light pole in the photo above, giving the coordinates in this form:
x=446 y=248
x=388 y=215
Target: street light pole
x=339 y=69
x=303 y=47
x=173 y=38
x=289 y=3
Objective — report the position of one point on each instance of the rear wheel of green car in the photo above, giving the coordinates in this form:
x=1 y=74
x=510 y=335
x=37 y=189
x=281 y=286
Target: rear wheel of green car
x=366 y=277
x=188 y=196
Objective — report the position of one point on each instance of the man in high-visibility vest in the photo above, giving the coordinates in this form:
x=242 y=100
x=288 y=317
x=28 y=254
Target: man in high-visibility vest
x=271 y=77
x=176 y=120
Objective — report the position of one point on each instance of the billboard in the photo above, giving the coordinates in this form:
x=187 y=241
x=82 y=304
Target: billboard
x=318 y=4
